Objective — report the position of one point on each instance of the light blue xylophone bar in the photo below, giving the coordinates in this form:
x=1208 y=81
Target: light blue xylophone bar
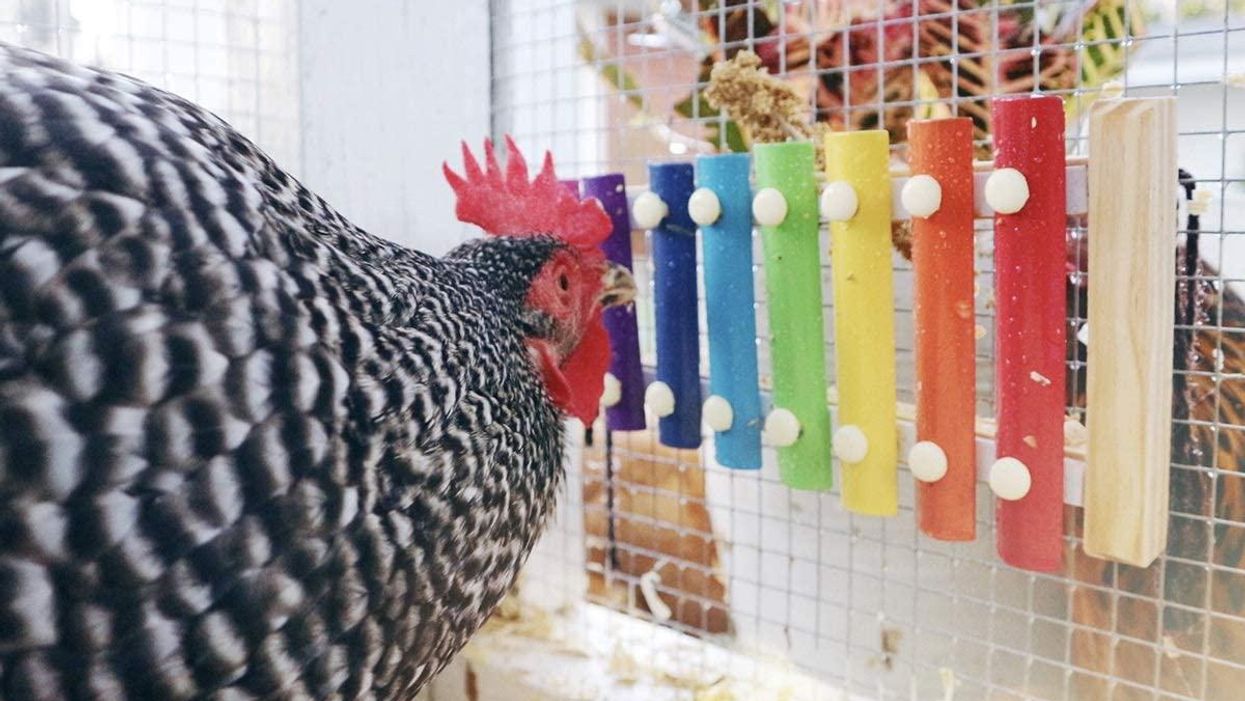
x=729 y=300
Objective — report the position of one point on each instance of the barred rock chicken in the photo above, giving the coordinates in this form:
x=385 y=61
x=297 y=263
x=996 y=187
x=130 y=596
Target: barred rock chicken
x=248 y=450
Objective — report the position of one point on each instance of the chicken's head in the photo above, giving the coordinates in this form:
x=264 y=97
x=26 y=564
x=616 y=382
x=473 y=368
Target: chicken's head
x=572 y=281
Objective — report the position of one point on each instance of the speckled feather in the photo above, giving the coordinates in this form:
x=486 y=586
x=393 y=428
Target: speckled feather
x=247 y=450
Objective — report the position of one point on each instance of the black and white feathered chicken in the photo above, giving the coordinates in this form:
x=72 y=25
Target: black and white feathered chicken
x=247 y=450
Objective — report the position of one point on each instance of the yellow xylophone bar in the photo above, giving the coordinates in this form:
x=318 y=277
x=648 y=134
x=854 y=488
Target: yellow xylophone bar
x=857 y=200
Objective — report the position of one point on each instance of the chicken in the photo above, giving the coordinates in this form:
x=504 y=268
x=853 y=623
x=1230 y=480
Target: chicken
x=248 y=450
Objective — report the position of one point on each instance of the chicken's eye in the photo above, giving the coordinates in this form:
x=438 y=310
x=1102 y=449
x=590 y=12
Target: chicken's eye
x=564 y=282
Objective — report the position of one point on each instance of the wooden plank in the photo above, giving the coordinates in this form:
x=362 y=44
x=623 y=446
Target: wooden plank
x=1132 y=280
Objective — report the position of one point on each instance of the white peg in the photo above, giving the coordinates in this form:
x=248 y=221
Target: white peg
x=1007 y=191
x=718 y=413
x=648 y=589
x=781 y=429
x=704 y=206
x=839 y=201
x=769 y=207
x=611 y=394
x=851 y=445
x=921 y=195
x=649 y=209
x=659 y=399
x=1009 y=479
x=927 y=461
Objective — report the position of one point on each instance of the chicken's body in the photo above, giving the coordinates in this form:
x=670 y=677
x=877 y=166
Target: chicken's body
x=246 y=449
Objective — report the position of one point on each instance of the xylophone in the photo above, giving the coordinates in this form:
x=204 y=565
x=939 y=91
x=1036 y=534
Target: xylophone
x=1029 y=190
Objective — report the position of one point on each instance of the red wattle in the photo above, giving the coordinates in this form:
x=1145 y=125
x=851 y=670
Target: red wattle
x=576 y=386
x=555 y=382
x=584 y=371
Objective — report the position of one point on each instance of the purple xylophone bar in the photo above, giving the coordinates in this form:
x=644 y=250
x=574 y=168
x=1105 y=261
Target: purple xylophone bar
x=627 y=414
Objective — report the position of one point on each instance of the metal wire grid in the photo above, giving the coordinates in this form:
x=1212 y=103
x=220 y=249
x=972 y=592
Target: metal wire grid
x=866 y=603
x=238 y=58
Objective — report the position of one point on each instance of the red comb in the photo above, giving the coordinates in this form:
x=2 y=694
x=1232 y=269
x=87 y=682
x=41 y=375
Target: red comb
x=509 y=205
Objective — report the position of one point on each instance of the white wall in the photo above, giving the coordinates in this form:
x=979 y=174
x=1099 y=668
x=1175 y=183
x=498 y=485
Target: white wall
x=389 y=88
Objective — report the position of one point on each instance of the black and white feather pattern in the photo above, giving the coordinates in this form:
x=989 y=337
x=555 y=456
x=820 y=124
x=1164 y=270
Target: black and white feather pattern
x=246 y=450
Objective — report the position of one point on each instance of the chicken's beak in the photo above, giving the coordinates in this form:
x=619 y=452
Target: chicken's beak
x=617 y=286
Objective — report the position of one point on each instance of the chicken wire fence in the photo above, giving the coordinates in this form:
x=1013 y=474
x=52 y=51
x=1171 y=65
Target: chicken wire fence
x=235 y=57
x=863 y=603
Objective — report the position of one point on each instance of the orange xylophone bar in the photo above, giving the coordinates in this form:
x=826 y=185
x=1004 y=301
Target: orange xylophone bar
x=940 y=154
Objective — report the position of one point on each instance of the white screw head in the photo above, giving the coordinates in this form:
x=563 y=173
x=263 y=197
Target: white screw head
x=717 y=413
x=648 y=210
x=704 y=207
x=612 y=392
x=851 y=445
x=781 y=429
x=659 y=399
x=839 y=201
x=1010 y=479
x=927 y=461
x=769 y=207
x=1007 y=191
x=921 y=195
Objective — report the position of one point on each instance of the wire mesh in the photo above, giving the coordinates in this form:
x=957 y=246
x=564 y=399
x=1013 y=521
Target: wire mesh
x=867 y=604
x=237 y=58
